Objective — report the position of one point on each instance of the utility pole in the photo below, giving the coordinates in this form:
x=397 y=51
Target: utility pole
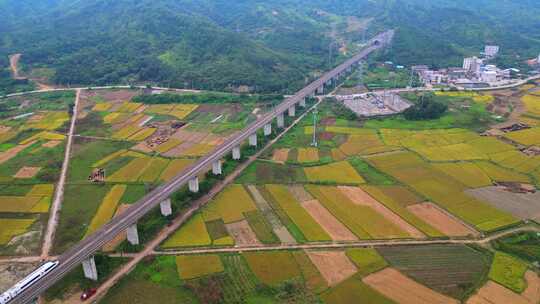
x=314 y=142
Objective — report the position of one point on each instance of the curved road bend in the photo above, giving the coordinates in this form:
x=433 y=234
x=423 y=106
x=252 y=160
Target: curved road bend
x=85 y=248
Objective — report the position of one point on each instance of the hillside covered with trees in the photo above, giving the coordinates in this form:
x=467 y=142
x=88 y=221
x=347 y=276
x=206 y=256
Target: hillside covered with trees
x=268 y=46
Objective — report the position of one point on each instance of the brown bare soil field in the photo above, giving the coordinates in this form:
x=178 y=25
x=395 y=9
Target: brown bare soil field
x=334 y=228
x=27 y=172
x=51 y=143
x=493 y=293
x=142 y=147
x=190 y=136
x=11 y=153
x=360 y=197
x=242 y=233
x=328 y=121
x=532 y=293
x=117 y=95
x=300 y=193
x=334 y=266
x=398 y=287
x=437 y=218
x=523 y=206
x=118 y=239
x=4 y=129
x=280 y=155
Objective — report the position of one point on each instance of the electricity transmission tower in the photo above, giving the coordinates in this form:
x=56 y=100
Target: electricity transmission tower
x=314 y=142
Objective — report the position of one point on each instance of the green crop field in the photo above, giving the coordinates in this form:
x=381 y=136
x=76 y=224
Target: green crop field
x=525 y=245
x=368 y=260
x=260 y=226
x=508 y=271
x=454 y=270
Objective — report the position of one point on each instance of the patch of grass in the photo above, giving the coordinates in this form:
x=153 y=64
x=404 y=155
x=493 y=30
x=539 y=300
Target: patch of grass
x=133 y=193
x=525 y=245
x=261 y=227
x=372 y=175
x=80 y=204
x=238 y=280
x=368 y=260
x=261 y=172
x=508 y=271
x=309 y=227
x=194 y=266
x=272 y=267
x=216 y=229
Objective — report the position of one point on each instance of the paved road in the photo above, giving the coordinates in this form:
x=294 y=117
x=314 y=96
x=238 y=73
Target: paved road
x=59 y=194
x=84 y=249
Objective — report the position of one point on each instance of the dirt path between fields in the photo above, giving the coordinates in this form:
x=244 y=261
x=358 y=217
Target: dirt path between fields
x=59 y=191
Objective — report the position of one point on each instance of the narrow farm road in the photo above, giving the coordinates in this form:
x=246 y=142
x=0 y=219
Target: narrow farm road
x=59 y=193
x=14 y=65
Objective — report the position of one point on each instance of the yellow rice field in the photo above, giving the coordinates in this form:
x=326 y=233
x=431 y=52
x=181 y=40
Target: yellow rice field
x=467 y=173
x=168 y=145
x=108 y=158
x=41 y=190
x=194 y=266
x=198 y=150
x=107 y=208
x=527 y=137
x=49 y=121
x=532 y=104
x=191 y=234
x=127 y=131
x=129 y=107
x=340 y=172
x=306 y=155
x=130 y=172
x=154 y=169
x=230 y=205
x=181 y=111
x=13 y=227
x=101 y=107
x=174 y=168
x=43 y=136
x=142 y=134
x=18 y=204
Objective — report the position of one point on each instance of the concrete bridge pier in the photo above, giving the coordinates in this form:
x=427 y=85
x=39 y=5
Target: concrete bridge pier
x=165 y=207
x=253 y=140
x=320 y=90
x=133 y=234
x=216 y=167
x=267 y=129
x=89 y=268
x=292 y=111
x=281 y=120
x=303 y=102
x=194 y=185
x=236 y=153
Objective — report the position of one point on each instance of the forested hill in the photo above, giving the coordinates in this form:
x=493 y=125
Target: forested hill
x=270 y=45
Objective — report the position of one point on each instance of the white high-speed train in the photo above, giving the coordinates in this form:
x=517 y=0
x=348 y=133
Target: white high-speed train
x=23 y=284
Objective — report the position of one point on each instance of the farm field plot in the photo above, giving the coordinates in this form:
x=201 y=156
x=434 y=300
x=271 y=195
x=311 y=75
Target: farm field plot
x=493 y=293
x=508 y=271
x=520 y=205
x=272 y=267
x=351 y=291
x=439 y=219
x=301 y=218
x=363 y=221
x=191 y=234
x=339 y=172
x=367 y=260
x=528 y=137
x=442 y=190
x=334 y=266
x=107 y=208
x=230 y=205
x=402 y=289
x=194 y=266
x=453 y=270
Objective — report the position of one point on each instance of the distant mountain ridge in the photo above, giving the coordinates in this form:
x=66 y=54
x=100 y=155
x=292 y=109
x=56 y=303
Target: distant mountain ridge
x=265 y=45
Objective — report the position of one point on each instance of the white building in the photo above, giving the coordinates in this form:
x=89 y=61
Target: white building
x=488 y=76
x=472 y=64
x=491 y=50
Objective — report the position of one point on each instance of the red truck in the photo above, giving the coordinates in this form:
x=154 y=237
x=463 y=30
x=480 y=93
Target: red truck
x=88 y=294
